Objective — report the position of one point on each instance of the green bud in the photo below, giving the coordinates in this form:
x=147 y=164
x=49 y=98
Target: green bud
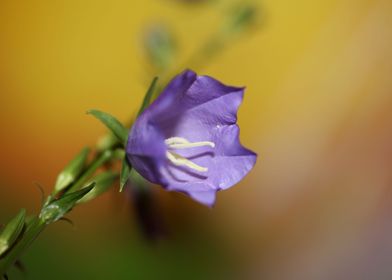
x=72 y=171
x=102 y=183
x=112 y=124
x=107 y=142
x=12 y=231
x=119 y=154
x=58 y=208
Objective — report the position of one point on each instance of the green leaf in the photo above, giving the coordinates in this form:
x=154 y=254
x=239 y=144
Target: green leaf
x=126 y=169
x=12 y=231
x=242 y=17
x=58 y=208
x=112 y=124
x=71 y=171
x=160 y=47
x=102 y=183
x=148 y=96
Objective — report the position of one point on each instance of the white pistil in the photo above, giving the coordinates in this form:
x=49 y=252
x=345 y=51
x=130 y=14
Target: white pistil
x=182 y=143
x=178 y=160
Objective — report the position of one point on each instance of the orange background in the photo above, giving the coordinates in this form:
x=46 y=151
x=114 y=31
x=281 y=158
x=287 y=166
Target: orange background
x=318 y=110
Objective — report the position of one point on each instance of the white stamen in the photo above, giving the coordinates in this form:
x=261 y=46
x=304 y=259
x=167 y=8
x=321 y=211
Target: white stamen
x=178 y=160
x=182 y=143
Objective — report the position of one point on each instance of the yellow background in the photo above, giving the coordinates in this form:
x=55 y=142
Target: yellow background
x=317 y=110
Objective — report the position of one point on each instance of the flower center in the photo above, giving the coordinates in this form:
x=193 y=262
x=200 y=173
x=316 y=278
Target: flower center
x=182 y=143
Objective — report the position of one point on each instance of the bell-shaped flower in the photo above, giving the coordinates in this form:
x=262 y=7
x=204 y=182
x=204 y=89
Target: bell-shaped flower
x=187 y=140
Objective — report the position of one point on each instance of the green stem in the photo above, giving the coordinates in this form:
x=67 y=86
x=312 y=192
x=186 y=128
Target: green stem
x=34 y=228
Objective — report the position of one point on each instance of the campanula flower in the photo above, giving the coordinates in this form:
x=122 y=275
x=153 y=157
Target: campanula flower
x=187 y=140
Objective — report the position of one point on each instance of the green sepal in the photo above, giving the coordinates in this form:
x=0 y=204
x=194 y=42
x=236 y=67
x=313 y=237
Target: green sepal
x=112 y=124
x=59 y=207
x=148 y=96
x=12 y=231
x=71 y=171
x=102 y=183
x=126 y=169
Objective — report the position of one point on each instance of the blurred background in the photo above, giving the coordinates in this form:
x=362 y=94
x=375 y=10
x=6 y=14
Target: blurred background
x=317 y=110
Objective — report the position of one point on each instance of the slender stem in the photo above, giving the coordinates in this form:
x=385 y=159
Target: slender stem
x=36 y=226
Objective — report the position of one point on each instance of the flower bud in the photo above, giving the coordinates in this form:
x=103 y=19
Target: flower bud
x=106 y=142
x=58 y=208
x=12 y=231
x=72 y=171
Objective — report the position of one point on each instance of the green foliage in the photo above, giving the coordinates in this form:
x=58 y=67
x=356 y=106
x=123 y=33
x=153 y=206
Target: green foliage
x=112 y=124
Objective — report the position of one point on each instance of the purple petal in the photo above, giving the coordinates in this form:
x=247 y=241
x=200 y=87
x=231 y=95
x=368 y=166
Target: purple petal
x=197 y=108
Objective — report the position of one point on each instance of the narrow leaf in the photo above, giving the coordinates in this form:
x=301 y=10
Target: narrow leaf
x=148 y=96
x=112 y=124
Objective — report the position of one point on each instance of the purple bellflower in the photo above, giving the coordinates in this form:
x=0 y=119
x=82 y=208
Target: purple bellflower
x=187 y=140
